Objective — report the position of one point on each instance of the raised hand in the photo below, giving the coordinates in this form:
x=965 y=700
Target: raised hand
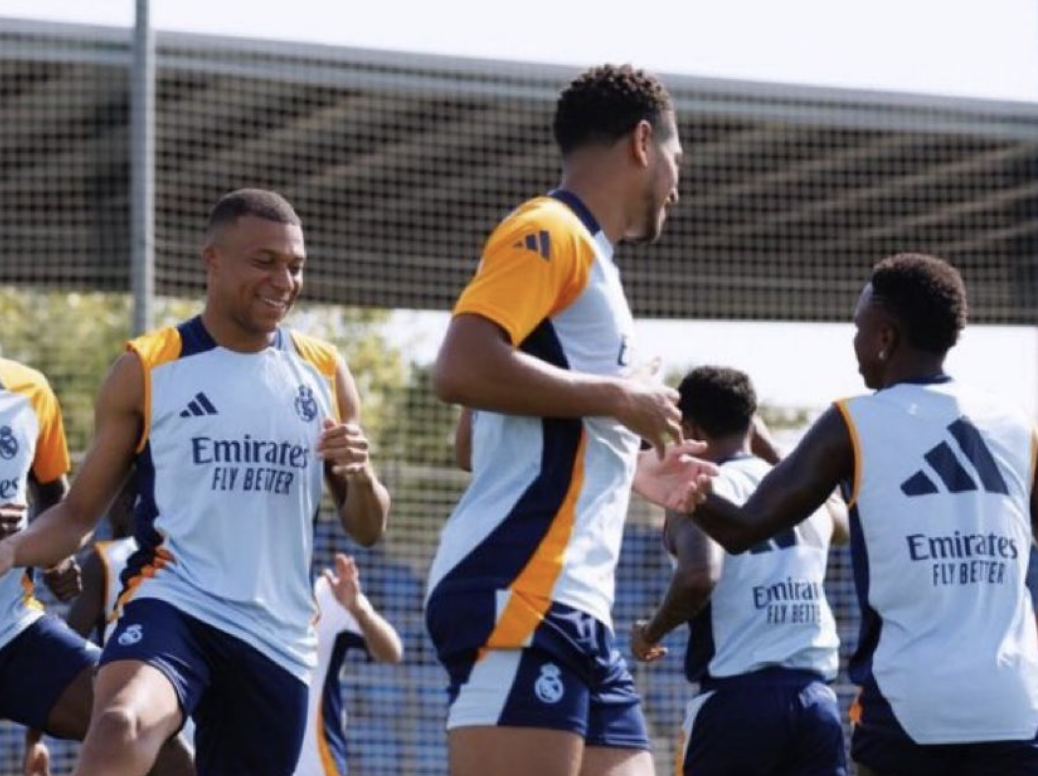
x=345 y=583
x=678 y=480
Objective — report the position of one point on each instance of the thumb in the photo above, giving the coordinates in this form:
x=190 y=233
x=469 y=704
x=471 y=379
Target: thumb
x=328 y=423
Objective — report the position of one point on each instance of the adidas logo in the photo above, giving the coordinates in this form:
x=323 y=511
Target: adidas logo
x=198 y=406
x=539 y=243
x=953 y=475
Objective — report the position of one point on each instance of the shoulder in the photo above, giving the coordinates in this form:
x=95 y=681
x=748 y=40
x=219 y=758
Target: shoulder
x=157 y=347
x=18 y=377
x=536 y=223
x=321 y=354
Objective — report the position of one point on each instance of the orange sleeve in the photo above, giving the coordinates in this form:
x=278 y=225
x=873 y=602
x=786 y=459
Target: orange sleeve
x=153 y=349
x=325 y=358
x=52 y=460
x=534 y=265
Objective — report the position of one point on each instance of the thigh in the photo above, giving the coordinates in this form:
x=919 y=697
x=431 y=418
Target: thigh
x=252 y=717
x=514 y=751
x=614 y=761
x=143 y=693
x=45 y=675
x=718 y=726
x=615 y=717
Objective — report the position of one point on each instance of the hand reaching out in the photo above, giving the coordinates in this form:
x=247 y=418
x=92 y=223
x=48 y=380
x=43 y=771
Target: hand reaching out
x=345 y=583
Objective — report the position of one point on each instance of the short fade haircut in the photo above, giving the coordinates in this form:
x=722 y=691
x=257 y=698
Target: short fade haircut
x=261 y=203
x=605 y=103
x=718 y=399
x=926 y=294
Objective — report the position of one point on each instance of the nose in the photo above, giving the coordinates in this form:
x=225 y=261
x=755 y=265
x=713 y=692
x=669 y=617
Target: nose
x=281 y=277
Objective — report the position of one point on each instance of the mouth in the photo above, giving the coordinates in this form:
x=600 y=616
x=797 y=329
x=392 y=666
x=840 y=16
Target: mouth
x=276 y=304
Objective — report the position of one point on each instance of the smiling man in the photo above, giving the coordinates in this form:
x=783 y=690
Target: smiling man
x=231 y=421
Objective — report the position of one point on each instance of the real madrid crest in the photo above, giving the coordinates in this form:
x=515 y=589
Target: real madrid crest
x=305 y=403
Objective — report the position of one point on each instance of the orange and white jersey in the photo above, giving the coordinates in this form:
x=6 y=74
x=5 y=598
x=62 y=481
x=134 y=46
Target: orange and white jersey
x=543 y=517
x=32 y=440
x=230 y=484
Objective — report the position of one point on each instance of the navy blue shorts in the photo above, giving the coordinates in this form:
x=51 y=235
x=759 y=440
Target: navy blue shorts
x=37 y=665
x=569 y=677
x=249 y=712
x=775 y=722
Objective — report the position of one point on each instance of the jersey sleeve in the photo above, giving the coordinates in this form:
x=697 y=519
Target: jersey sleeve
x=534 y=265
x=52 y=459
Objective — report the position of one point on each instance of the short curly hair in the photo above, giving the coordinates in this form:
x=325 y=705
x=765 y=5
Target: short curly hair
x=605 y=103
x=926 y=294
x=261 y=203
x=718 y=399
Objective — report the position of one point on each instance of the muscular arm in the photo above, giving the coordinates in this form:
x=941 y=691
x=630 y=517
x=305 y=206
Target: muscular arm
x=790 y=492
x=699 y=563
x=478 y=367
x=61 y=530
x=362 y=500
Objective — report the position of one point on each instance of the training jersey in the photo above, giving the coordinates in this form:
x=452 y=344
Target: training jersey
x=324 y=743
x=768 y=608
x=543 y=516
x=940 y=534
x=113 y=555
x=230 y=484
x=32 y=440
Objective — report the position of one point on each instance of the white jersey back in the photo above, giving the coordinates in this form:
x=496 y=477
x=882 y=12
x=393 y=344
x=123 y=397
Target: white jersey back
x=113 y=555
x=230 y=484
x=337 y=632
x=768 y=608
x=32 y=441
x=940 y=532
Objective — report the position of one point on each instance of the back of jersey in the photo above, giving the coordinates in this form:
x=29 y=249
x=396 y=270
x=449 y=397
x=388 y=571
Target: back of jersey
x=940 y=532
x=768 y=608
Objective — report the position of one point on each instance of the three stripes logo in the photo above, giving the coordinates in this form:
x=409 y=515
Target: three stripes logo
x=539 y=243
x=199 y=406
x=951 y=471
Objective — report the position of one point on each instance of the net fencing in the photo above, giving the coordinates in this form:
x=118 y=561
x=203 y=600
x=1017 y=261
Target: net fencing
x=399 y=166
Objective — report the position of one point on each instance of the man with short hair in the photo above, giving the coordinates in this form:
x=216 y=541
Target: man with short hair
x=541 y=346
x=943 y=505
x=232 y=421
x=762 y=644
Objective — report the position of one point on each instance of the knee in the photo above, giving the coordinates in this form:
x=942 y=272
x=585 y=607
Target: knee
x=117 y=725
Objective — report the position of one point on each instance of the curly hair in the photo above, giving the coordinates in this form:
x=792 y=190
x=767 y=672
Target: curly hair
x=926 y=294
x=719 y=399
x=605 y=103
x=268 y=205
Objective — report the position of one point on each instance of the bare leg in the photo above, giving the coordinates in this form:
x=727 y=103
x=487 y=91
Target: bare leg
x=613 y=761
x=514 y=751
x=135 y=713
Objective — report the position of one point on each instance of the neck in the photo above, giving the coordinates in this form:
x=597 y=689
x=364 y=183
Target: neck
x=600 y=190
x=722 y=448
x=913 y=365
x=227 y=333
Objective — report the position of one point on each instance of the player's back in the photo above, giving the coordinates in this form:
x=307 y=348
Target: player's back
x=229 y=484
x=940 y=529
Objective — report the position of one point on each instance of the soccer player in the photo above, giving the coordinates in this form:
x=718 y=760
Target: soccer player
x=942 y=496
x=348 y=621
x=540 y=345
x=231 y=421
x=762 y=640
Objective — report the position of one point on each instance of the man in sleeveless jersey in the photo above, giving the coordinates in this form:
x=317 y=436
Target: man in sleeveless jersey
x=762 y=642
x=348 y=621
x=540 y=345
x=232 y=421
x=940 y=479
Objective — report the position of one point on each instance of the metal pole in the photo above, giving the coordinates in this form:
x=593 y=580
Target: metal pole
x=142 y=170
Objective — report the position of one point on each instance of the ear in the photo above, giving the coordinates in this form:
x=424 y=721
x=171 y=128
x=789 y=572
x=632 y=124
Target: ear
x=209 y=256
x=641 y=139
x=889 y=336
x=692 y=431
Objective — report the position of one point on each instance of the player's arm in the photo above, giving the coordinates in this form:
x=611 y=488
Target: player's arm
x=463 y=440
x=61 y=530
x=381 y=638
x=64 y=579
x=699 y=563
x=86 y=615
x=479 y=367
x=837 y=510
x=790 y=492
x=362 y=500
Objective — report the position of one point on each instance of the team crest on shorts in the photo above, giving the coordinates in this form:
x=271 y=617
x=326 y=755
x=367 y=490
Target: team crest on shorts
x=8 y=443
x=305 y=403
x=131 y=635
x=549 y=687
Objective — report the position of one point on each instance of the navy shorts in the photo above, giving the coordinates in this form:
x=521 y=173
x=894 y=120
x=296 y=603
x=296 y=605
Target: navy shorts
x=37 y=665
x=774 y=722
x=570 y=676
x=249 y=712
